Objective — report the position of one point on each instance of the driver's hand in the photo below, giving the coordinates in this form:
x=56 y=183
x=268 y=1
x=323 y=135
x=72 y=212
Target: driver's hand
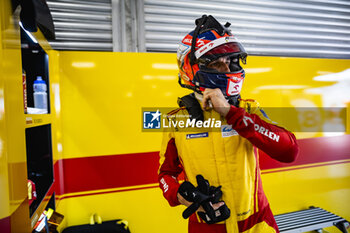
x=183 y=201
x=217 y=100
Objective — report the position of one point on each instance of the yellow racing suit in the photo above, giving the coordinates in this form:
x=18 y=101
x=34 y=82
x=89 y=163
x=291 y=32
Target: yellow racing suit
x=227 y=157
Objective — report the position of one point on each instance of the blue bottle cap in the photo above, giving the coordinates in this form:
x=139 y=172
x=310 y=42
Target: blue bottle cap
x=39 y=80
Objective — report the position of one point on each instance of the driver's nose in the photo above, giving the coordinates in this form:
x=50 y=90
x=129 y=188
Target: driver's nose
x=224 y=68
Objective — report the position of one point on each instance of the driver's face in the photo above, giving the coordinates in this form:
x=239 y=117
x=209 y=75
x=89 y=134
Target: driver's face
x=221 y=64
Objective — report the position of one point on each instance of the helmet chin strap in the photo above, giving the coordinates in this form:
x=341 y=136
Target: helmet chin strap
x=234 y=100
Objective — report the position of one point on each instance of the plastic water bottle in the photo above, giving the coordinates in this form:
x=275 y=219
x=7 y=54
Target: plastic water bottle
x=40 y=95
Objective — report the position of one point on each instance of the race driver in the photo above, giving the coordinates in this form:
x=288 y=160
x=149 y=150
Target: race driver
x=222 y=189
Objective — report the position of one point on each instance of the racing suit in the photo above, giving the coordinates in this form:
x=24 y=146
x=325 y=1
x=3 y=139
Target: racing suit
x=228 y=158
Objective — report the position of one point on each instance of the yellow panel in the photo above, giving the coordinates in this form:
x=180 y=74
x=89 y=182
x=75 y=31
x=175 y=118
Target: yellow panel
x=34 y=120
x=325 y=186
x=12 y=126
x=55 y=101
x=102 y=94
x=13 y=167
x=4 y=194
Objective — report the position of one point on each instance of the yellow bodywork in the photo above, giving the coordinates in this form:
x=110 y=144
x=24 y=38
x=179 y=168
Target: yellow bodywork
x=13 y=121
x=13 y=172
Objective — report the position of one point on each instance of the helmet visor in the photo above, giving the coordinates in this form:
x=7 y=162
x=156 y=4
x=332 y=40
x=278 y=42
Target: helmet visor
x=227 y=49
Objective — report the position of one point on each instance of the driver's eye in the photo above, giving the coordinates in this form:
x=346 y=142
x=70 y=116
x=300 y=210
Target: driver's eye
x=220 y=63
x=217 y=64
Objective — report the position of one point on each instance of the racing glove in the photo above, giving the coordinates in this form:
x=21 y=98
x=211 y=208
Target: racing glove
x=204 y=195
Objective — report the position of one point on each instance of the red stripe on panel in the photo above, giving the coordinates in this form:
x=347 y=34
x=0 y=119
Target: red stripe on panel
x=5 y=225
x=104 y=172
x=313 y=150
x=59 y=177
x=125 y=170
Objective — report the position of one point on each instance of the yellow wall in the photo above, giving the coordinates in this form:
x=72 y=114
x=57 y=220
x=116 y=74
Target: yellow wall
x=102 y=95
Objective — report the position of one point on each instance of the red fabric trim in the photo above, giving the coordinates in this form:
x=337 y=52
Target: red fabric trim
x=195 y=218
x=263 y=215
x=263 y=204
x=196 y=227
x=168 y=173
x=278 y=143
x=256 y=177
x=262 y=200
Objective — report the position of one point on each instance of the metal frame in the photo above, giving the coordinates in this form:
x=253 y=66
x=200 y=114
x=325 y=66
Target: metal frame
x=268 y=28
x=141 y=38
x=82 y=25
x=313 y=219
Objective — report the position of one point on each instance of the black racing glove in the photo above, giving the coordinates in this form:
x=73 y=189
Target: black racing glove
x=204 y=195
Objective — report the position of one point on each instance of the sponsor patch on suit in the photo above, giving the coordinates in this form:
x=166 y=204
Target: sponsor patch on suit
x=197 y=135
x=227 y=131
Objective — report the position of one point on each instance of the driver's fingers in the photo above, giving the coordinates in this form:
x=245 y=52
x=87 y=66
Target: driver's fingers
x=218 y=205
x=215 y=206
x=206 y=98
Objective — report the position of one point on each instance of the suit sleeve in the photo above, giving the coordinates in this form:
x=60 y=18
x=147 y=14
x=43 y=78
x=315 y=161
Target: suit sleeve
x=169 y=169
x=277 y=142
